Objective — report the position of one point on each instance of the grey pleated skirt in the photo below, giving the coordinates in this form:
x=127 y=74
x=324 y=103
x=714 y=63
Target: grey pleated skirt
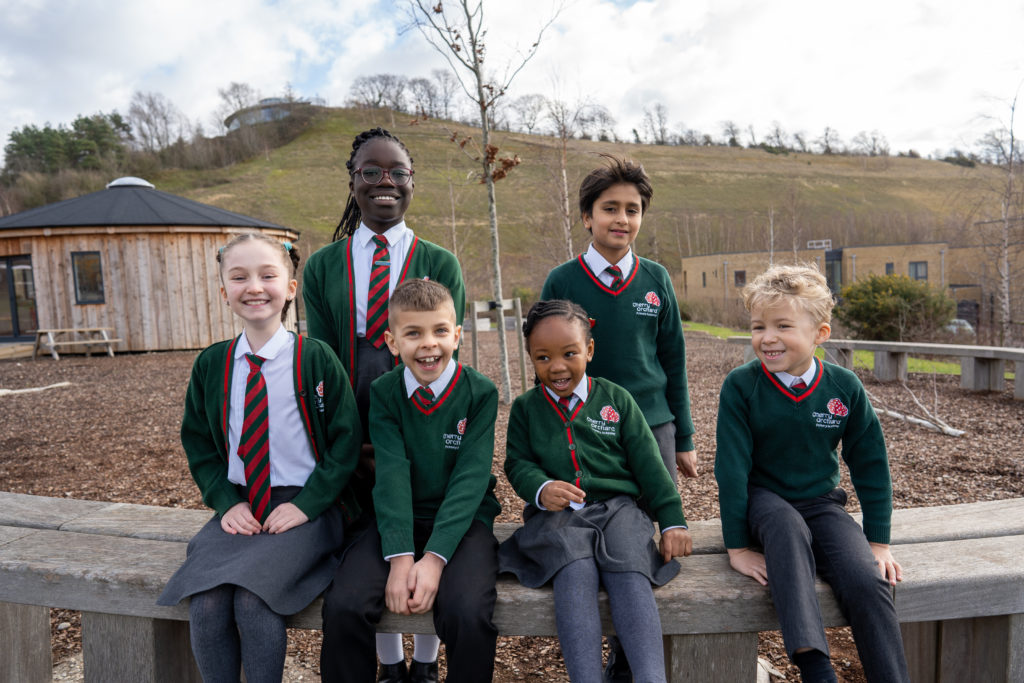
x=288 y=570
x=615 y=532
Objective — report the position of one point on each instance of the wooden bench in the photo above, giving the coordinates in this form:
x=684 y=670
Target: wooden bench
x=981 y=367
x=961 y=604
x=49 y=340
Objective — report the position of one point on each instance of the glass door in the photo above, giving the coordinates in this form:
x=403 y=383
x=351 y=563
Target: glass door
x=17 y=298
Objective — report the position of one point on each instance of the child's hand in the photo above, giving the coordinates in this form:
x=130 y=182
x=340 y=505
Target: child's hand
x=676 y=543
x=284 y=517
x=396 y=594
x=423 y=582
x=239 y=520
x=749 y=563
x=890 y=568
x=558 y=494
x=686 y=463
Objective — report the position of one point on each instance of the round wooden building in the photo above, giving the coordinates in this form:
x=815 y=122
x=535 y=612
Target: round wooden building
x=130 y=258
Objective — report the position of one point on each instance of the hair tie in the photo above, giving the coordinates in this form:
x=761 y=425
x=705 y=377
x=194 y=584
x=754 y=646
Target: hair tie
x=220 y=252
x=287 y=246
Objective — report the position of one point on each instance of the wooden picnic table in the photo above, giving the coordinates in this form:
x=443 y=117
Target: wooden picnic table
x=50 y=339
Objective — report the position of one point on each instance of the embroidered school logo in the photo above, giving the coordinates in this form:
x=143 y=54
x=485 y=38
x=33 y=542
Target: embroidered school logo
x=318 y=397
x=836 y=407
x=608 y=414
x=649 y=306
x=454 y=440
x=320 y=389
x=606 y=425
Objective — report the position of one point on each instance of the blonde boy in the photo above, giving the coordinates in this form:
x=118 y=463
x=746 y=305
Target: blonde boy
x=780 y=419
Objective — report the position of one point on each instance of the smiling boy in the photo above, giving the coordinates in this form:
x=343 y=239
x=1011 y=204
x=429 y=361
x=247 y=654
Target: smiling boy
x=432 y=428
x=780 y=420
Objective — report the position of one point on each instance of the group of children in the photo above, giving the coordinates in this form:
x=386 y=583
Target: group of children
x=356 y=462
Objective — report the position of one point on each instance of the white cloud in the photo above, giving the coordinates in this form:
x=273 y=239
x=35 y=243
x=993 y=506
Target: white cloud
x=921 y=73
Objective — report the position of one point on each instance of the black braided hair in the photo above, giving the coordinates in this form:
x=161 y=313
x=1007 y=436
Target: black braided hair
x=352 y=215
x=570 y=310
x=290 y=252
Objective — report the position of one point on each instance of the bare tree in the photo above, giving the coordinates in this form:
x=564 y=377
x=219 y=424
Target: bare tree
x=871 y=144
x=425 y=98
x=777 y=137
x=235 y=97
x=379 y=91
x=528 y=110
x=459 y=35
x=829 y=141
x=800 y=140
x=1005 y=148
x=447 y=89
x=597 y=122
x=732 y=133
x=656 y=124
x=155 y=120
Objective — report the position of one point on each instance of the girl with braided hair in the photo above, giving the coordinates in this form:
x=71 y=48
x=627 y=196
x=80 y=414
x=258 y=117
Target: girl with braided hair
x=346 y=288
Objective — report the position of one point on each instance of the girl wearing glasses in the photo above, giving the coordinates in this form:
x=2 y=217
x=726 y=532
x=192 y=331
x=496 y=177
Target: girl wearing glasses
x=346 y=286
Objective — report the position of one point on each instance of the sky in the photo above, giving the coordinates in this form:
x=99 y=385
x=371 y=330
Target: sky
x=929 y=76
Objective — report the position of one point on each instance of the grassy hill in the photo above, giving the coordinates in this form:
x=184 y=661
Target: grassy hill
x=707 y=199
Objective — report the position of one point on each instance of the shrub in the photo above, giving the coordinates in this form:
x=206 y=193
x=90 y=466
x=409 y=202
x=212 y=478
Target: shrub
x=894 y=308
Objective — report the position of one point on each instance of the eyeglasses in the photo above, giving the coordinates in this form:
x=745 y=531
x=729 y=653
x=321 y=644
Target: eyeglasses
x=372 y=175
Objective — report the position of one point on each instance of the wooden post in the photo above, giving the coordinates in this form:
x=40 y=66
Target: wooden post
x=711 y=658
x=1018 y=380
x=25 y=634
x=987 y=649
x=138 y=649
x=473 y=334
x=890 y=366
x=981 y=374
x=517 y=307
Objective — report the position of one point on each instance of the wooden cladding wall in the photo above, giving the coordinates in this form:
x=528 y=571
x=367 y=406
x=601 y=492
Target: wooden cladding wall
x=161 y=286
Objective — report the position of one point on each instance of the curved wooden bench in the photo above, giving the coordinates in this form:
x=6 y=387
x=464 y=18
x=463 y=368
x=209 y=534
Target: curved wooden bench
x=961 y=606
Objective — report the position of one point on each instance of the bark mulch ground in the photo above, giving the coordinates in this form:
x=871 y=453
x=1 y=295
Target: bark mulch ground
x=112 y=435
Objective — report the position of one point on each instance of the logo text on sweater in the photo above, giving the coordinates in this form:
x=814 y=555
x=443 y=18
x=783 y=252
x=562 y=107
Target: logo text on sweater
x=453 y=441
x=649 y=306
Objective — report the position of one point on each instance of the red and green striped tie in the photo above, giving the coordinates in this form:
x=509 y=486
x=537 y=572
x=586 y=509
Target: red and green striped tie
x=377 y=297
x=423 y=397
x=254 y=445
x=616 y=273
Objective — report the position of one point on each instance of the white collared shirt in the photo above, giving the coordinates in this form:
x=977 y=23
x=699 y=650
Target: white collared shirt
x=599 y=263
x=787 y=379
x=291 y=456
x=399 y=239
x=437 y=386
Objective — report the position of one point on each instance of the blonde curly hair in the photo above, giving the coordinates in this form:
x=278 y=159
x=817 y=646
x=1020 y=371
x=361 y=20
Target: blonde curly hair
x=801 y=282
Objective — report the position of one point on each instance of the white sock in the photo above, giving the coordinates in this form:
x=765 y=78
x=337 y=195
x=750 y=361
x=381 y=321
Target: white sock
x=425 y=647
x=389 y=648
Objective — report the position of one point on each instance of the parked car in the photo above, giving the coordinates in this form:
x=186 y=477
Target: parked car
x=960 y=328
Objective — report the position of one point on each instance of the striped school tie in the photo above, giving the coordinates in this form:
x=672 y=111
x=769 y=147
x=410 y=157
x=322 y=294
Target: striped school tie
x=423 y=397
x=254 y=445
x=563 y=402
x=616 y=273
x=377 y=296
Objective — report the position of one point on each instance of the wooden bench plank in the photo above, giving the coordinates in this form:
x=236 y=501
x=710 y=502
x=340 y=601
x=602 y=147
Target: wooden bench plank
x=43 y=512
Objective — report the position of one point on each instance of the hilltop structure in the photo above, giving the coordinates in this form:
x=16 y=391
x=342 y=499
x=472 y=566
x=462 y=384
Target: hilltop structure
x=129 y=257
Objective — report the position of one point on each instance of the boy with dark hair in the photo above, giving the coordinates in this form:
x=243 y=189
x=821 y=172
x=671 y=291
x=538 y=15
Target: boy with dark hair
x=432 y=427
x=780 y=419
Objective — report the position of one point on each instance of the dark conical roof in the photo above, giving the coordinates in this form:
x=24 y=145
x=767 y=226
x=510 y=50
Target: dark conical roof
x=129 y=202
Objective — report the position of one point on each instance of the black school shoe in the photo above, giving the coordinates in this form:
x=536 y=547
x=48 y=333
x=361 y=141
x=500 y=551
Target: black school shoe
x=393 y=673
x=617 y=670
x=423 y=672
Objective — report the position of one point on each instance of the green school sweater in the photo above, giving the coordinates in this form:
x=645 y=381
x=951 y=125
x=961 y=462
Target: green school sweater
x=770 y=436
x=604 y=448
x=328 y=290
x=325 y=402
x=435 y=463
x=638 y=337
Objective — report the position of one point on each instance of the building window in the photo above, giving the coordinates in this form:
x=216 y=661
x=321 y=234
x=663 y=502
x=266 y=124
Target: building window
x=890 y=268
x=918 y=270
x=739 y=278
x=703 y=279
x=88 y=273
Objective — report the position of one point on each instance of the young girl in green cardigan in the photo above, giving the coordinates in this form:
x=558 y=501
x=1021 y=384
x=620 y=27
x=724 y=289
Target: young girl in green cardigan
x=271 y=437
x=580 y=453
x=346 y=288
